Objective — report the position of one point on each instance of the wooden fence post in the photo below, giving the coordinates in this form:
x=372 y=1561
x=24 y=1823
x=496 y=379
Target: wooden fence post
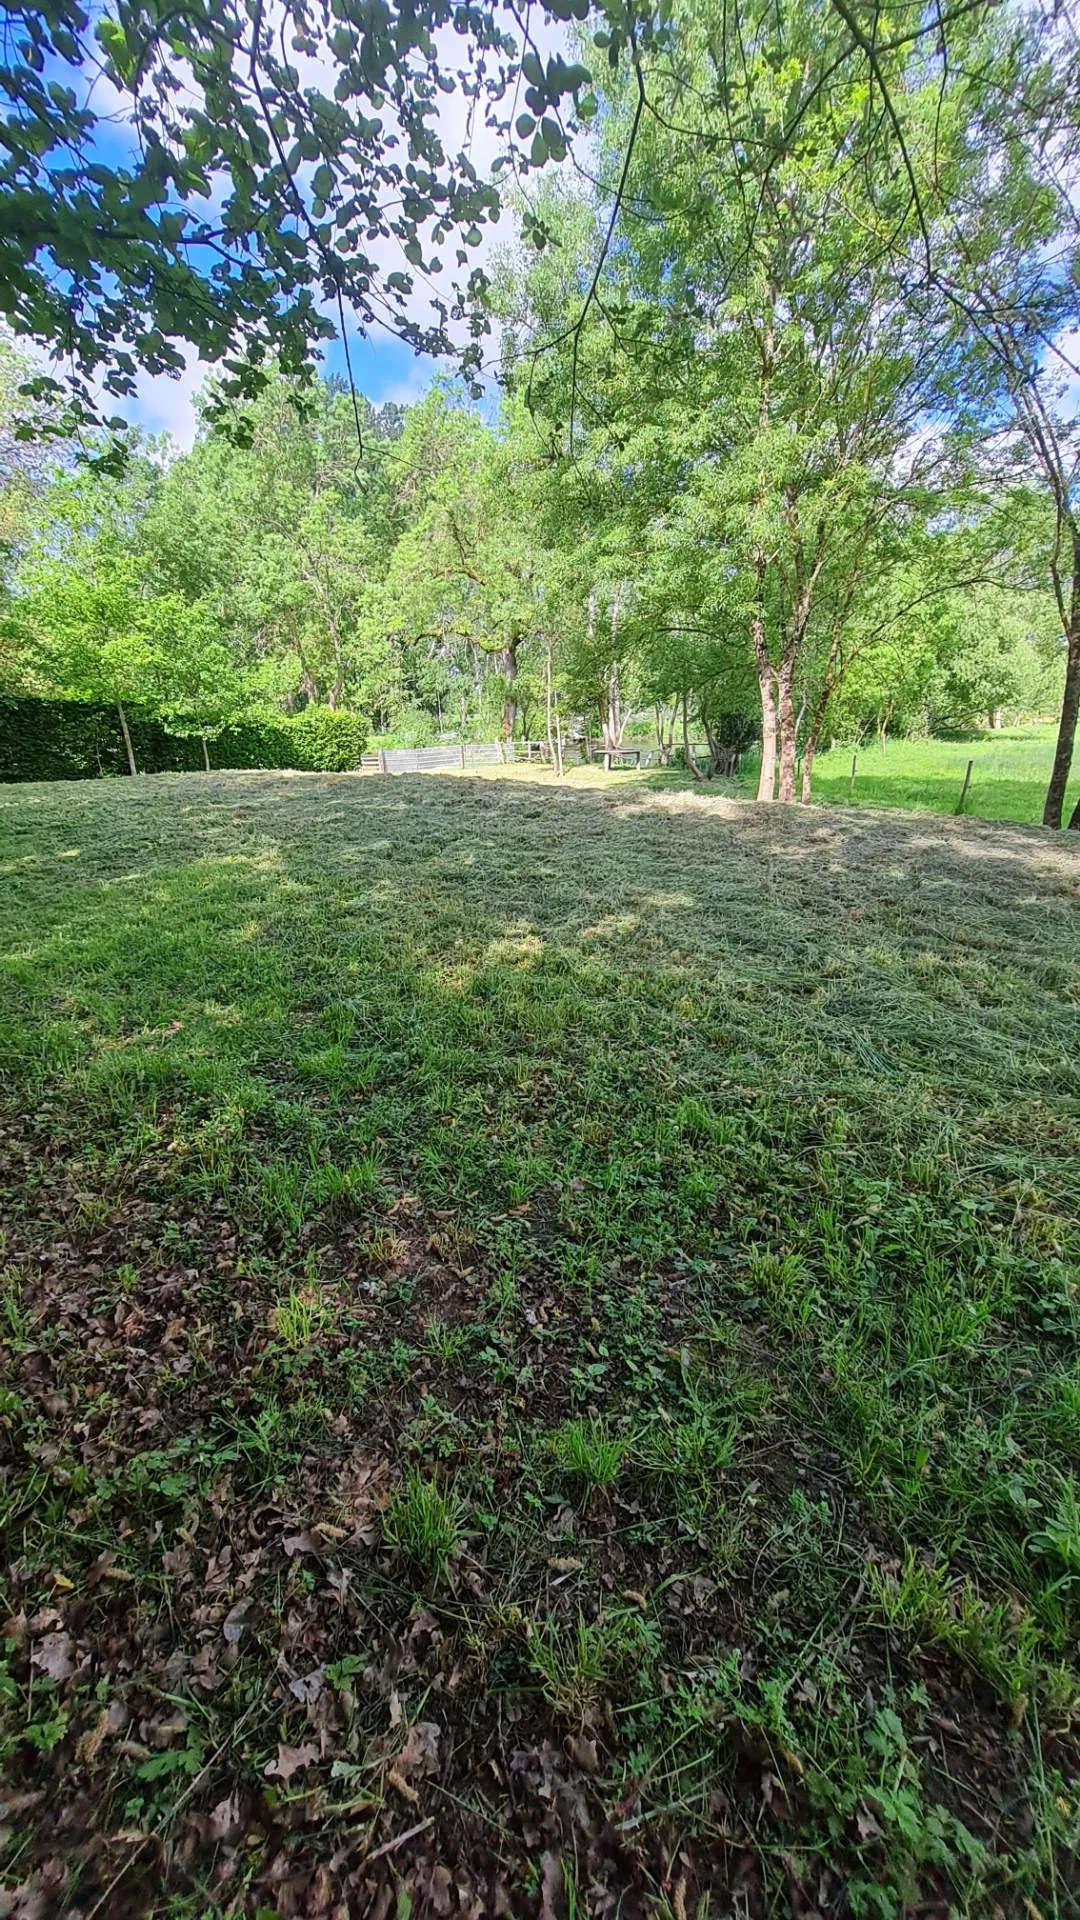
x=964 y=788
x=382 y=760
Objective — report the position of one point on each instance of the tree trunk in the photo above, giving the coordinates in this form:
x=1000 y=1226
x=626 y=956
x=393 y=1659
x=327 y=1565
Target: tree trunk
x=811 y=746
x=548 y=704
x=786 y=791
x=997 y=720
x=766 y=788
x=691 y=763
x=508 y=666
x=129 y=749
x=205 y=753
x=808 y=769
x=1070 y=710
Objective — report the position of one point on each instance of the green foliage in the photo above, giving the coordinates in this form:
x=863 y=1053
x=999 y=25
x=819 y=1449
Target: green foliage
x=72 y=740
x=588 y=1451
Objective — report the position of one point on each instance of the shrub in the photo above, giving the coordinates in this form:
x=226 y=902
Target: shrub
x=77 y=740
x=322 y=741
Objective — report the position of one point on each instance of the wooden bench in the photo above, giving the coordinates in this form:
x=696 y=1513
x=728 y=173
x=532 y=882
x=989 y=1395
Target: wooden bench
x=625 y=756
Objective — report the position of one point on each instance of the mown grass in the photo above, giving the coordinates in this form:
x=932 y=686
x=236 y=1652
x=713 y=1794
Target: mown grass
x=558 y=1308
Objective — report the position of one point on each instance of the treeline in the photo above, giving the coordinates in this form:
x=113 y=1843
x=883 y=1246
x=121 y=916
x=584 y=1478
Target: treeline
x=445 y=577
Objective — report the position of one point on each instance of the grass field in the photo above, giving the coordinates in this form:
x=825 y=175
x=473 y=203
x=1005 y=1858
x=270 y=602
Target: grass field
x=540 y=1354
x=1008 y=781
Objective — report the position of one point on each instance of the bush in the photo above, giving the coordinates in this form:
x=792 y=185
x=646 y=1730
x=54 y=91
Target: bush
x=73 y=740
x=324 y=742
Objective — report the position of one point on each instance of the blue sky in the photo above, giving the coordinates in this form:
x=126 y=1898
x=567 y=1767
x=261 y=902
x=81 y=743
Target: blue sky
x=383 y=368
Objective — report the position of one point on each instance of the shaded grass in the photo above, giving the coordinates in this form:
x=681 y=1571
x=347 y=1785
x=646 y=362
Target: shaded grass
x=603 y=1258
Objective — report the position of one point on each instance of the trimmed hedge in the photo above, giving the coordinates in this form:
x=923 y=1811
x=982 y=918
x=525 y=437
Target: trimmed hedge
x=72 y=740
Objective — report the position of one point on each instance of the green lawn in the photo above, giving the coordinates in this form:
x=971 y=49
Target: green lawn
x=540 y=1368
x=1008 y=780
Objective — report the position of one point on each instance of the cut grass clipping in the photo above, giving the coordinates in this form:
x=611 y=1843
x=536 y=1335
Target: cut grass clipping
x=539 y=1362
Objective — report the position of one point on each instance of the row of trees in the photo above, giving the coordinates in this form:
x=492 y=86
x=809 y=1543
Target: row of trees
x=460 y=578
x=788 y=430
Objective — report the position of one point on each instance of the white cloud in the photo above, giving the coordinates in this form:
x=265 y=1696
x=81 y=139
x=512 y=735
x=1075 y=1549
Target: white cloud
x=162 y=404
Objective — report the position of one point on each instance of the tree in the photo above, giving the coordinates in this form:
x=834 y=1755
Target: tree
x=469 y=574
x=88 y=620
x=213 y=175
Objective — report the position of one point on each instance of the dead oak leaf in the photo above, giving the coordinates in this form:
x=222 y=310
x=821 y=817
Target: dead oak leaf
x=306 y=1542
x=291 y=1760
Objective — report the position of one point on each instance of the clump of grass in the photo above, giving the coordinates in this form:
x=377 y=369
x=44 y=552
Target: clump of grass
x=446 y=1342
x=299 y=1320
x=580 y=1665
x=422 y=1525
x=588 y=1451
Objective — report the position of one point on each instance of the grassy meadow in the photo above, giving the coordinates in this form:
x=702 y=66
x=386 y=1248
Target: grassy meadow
x=539 y=1365
x=1008 y=780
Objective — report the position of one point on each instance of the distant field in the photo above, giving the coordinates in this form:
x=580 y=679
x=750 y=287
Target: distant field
x=1008 y=780
x=539 y=1361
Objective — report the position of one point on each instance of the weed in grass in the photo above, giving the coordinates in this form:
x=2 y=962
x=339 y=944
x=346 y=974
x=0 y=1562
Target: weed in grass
x=422 y=1524
x=1059 y=1536
x=587 y=1450
x=446 y=1342
x=578 y=1665
x=299 y=1320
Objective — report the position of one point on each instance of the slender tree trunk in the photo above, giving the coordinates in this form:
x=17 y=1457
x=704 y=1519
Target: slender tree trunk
x=128 y=748
x=205 y=753
x=1070 y=711
x=808 y=769
x=691 y=762
x=811 y=746
x=766 y=789
x=786 y=716
x=548 y=715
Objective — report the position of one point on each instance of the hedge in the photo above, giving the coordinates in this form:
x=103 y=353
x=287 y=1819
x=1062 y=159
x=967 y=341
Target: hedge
x=73 y=740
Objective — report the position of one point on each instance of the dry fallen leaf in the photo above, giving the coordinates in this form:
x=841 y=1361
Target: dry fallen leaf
x=551 y=1886
x=420 y=1754
x=53 y=1655
x=290 y=1760
x=225 y=1820
x=583 y=1753
x=308 y=1687
x=306 y=1542
x=401 y=1786
x=236 y=1621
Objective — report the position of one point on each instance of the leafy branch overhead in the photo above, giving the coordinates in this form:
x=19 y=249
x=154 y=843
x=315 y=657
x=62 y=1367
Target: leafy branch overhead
x=223 y=177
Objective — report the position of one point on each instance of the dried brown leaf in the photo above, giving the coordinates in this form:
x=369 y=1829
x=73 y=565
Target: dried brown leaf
x=291 y=1760
x=54 y=1656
